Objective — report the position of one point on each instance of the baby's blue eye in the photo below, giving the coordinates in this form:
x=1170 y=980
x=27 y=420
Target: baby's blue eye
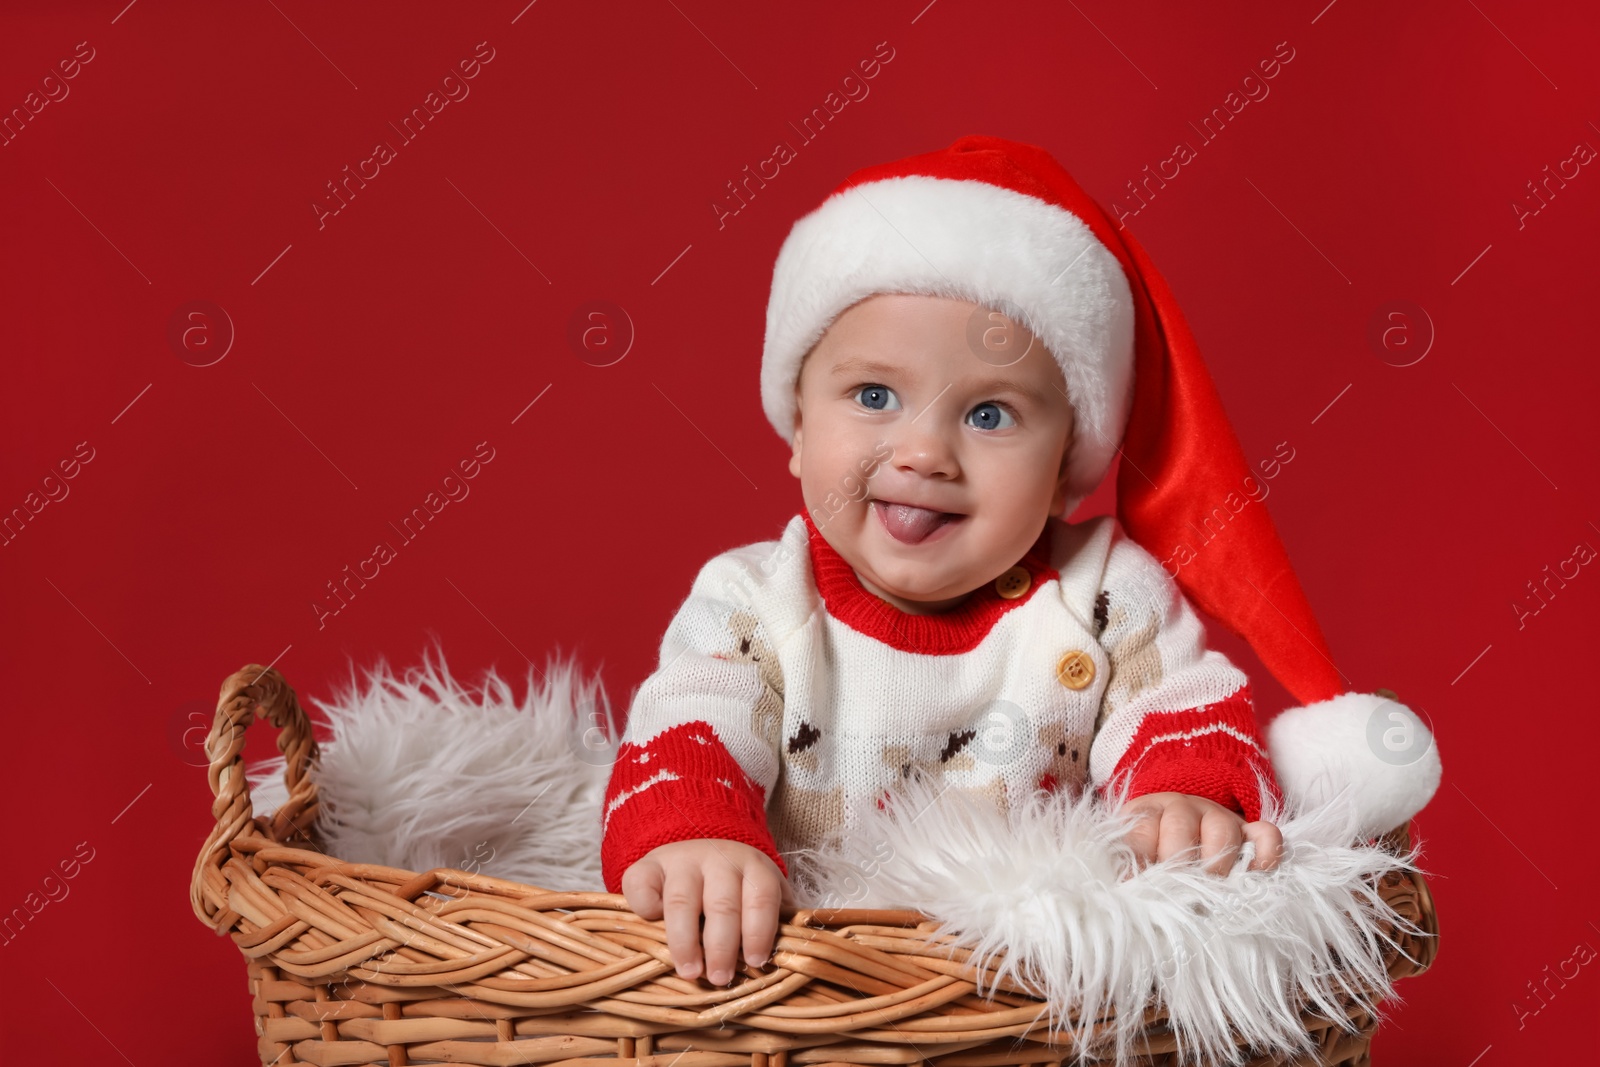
x=990 y=416
x=877 y=397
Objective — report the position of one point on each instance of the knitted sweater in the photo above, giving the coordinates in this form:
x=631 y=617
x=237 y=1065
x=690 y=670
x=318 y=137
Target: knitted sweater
x=787 y=695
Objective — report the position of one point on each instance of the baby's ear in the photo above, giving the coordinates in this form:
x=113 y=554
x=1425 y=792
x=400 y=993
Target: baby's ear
x=1060 y=496
x=794 y=455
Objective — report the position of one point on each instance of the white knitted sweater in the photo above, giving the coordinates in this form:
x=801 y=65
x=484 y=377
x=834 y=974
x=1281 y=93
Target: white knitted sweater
x=787 y=695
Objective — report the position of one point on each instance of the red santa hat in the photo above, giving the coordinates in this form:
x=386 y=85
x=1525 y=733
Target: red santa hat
x=1003 y=225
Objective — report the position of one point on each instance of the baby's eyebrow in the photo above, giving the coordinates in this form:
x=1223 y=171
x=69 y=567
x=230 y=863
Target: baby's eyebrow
x=1038 y=396
x=858 y=365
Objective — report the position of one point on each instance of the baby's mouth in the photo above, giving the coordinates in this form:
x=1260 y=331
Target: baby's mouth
x=910 y=524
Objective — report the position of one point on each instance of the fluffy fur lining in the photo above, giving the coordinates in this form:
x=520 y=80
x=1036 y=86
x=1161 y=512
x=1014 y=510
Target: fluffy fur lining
x=1036 y=263
x=1055 y=888
x=421 y=772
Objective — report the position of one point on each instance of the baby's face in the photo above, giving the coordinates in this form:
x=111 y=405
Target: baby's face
x=973 y=435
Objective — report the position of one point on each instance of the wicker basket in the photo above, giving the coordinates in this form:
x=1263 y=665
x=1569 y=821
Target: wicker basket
x=358 y=964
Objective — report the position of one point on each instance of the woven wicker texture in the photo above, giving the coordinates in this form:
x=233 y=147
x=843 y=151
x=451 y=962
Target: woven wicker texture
x=360 y=964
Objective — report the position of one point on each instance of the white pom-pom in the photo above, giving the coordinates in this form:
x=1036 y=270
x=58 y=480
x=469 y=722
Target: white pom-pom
x=1375 y=751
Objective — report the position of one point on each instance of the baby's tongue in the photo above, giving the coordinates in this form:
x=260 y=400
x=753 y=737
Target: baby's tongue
x=907 y=523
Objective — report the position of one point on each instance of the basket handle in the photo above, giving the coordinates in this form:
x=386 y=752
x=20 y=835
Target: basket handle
x=247 y=689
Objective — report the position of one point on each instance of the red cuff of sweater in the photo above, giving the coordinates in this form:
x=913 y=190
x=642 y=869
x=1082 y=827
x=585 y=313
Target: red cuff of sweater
x=1229 y=782
x=1214 y=751
x=682 y=784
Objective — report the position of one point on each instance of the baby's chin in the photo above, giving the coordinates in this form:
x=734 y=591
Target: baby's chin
x=917 y=592
x=938 y=605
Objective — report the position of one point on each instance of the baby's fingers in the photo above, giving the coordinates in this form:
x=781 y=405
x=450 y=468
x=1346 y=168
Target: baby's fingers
x=641 y=884
x=1145 y=835
x=1180 y=831
x=1221 y=834
x=763 y=895
x=723 y=892
x=1268 y=840
x=681 y=899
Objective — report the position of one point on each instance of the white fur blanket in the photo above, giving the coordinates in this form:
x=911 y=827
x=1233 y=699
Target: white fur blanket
x=421 y=772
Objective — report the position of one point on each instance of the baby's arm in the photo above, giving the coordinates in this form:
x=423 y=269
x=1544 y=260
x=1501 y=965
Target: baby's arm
x=1179 y=730
x=684 y=829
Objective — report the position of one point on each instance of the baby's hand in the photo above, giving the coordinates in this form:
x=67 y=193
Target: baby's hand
x=737 y=886
x=1173 y=822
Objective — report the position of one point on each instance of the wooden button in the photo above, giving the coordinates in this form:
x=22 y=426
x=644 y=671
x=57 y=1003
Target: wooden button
x=1013 y=583
x=1075 y=669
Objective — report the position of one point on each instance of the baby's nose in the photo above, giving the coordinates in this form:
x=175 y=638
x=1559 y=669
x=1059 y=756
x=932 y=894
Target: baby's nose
x=922 y=445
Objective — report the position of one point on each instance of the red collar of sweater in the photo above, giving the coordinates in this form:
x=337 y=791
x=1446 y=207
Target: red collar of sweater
x=944 y=633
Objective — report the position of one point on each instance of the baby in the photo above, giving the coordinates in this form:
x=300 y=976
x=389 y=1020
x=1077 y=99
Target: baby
x=950 y=352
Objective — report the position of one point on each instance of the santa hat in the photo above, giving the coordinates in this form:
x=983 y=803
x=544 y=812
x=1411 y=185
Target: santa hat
x=1003 y=225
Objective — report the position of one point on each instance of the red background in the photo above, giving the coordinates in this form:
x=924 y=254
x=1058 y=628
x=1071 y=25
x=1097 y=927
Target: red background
x=374 y=353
